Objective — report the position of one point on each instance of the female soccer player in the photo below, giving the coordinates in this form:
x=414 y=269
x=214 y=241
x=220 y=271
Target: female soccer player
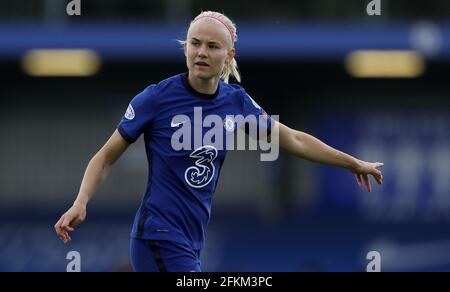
x=169 y=228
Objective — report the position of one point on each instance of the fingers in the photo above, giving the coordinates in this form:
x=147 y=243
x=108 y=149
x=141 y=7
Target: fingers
x=358 y=179
x=369 y=169
x=63 y=228
x=67 y=222
x=377 y=173
x=367 y=183
x=68 y=228
x=379 y=164
x=378 y=177
x=60 y=231
x=58 y=228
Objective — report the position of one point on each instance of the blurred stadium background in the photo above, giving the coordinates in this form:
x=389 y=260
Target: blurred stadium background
x=373 y=86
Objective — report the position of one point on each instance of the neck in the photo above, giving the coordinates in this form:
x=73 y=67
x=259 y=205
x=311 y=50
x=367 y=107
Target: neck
x=206 y=86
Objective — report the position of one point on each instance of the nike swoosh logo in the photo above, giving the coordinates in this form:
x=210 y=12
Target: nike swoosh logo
x=173 y=125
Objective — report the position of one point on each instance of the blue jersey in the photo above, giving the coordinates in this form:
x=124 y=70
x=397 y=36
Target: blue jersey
x=176 y=204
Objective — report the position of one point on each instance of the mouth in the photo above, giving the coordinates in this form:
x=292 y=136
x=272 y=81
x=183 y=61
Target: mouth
x=202 y=64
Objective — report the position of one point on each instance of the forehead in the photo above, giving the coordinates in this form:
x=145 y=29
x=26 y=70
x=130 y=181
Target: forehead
x=208 y=29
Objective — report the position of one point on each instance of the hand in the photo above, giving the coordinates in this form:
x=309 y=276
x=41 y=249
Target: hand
x=364 y=169
x=69 y=220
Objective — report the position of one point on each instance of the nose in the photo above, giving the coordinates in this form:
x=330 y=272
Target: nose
x=202 y=51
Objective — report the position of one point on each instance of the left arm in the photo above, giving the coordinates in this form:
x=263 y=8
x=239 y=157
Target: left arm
x=305 y=146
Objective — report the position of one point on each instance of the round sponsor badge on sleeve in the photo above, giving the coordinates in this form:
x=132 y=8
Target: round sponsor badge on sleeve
x=129 y=114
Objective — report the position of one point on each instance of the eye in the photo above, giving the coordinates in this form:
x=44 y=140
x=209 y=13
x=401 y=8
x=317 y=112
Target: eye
x=213 y=46
x=195 y=43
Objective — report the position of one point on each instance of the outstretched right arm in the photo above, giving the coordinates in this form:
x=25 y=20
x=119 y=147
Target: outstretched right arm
x=96 y=171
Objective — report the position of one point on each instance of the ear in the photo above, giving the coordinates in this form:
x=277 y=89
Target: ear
x=184 y=49
x=230 y=55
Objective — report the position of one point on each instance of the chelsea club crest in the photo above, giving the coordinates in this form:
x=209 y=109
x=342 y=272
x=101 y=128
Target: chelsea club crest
x=229 y=123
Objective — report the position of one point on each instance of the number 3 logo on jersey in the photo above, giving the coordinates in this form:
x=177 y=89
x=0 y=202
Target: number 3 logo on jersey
x=202 y=173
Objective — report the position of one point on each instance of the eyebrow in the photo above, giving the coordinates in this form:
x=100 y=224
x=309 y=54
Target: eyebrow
x=210 y=42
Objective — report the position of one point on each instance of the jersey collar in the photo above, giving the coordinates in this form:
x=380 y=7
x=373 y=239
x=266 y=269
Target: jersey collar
x=184 y=77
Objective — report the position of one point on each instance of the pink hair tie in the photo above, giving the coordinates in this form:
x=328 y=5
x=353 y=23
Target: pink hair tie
x=221 y=21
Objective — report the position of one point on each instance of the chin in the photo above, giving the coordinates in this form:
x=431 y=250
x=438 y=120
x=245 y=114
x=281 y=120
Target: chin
x=202 y=75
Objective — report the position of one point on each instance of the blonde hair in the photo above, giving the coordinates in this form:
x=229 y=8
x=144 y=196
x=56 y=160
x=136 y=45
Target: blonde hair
x=230 y=69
